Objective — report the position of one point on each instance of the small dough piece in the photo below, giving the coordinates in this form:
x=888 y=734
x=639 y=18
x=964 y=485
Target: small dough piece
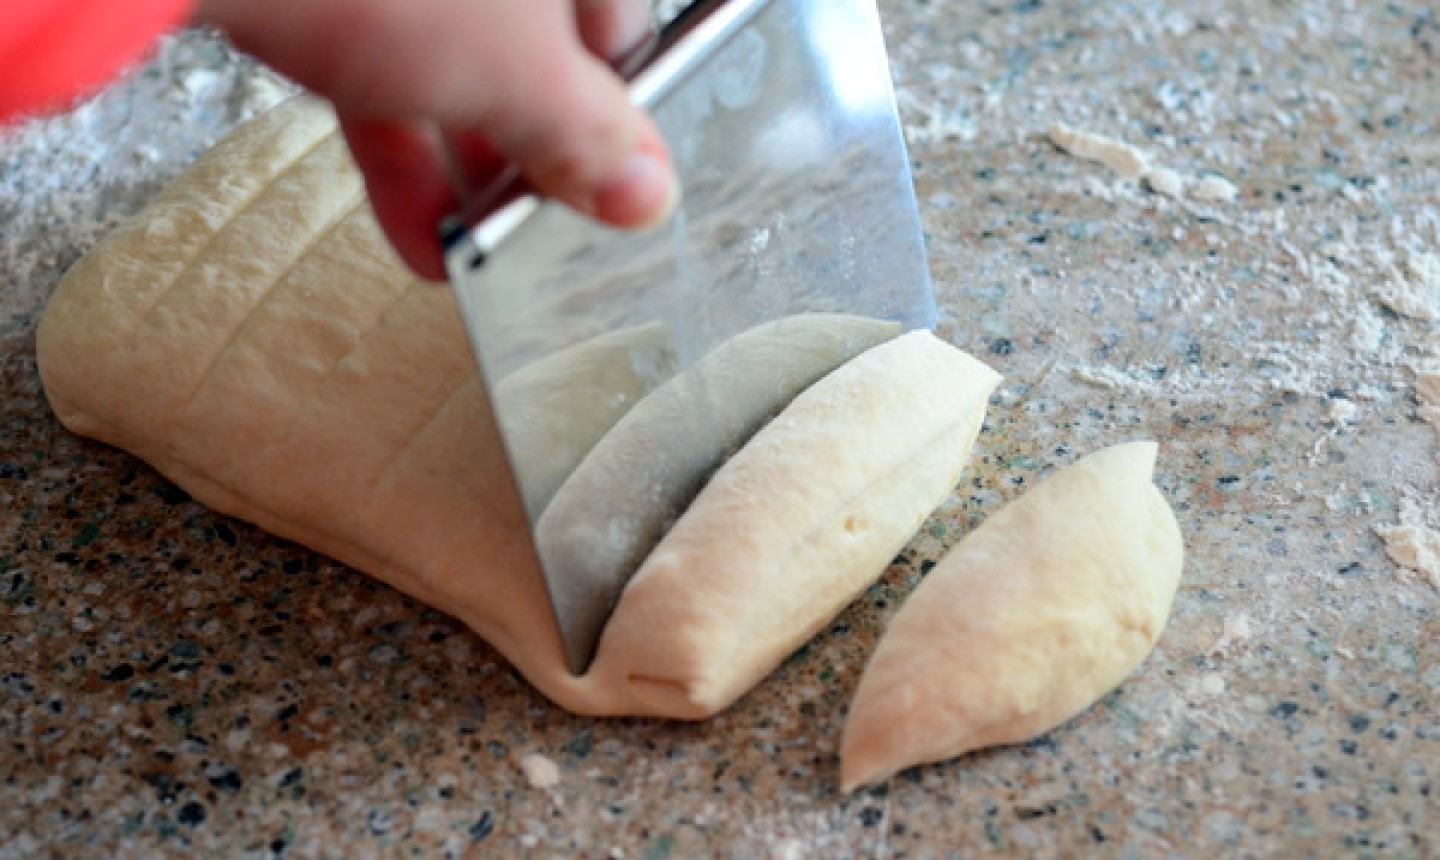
x=1163 y=180
x=1411 y=544
x=1117 y=155
x=637 y=480
x=540 y=771
x=797 y=524
x=1214 y=189
x=250 y=335
x=554 y=410
x=1028 y=621
x=1427 y=391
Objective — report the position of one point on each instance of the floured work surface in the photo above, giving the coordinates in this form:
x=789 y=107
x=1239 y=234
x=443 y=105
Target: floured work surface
x=262 y=694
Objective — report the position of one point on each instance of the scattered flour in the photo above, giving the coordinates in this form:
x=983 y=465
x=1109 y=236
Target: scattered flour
x=1234 y=637
x=1367 y=331
x=1424 y=267
x=1413 y=289
x=1342 y=411
x=540 y=771
x=1411 y=544
x=1238 y=627
x=1104 y=377
x=1212 y=684
x=927 y=123
x=1132 y=164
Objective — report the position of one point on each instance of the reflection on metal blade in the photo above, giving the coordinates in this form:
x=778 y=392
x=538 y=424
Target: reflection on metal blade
x=553 y=412
x=641 y=476
x=797 y=200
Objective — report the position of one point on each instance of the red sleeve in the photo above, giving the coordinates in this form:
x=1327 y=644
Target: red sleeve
x=54 y=51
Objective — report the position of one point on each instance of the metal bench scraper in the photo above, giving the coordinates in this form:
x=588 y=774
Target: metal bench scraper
x=797 y=200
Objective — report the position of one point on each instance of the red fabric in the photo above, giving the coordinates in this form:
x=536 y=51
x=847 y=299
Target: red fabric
x=54 y=51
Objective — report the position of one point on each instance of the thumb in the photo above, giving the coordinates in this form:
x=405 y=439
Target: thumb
x=517 y=74
x=566 y=120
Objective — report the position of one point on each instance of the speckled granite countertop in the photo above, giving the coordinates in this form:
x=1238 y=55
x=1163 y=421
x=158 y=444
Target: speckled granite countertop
x=175 y=682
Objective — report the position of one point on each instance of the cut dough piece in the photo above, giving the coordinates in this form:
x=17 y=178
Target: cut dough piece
x=797 y=524
x=251 y=336
x=1117 y=155
x=554 y=410
x=1028 y=621
x=1215 y=189
x=616 y=506
x=1163 y=180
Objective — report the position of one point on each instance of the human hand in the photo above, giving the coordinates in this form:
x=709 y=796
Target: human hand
x=514 y=82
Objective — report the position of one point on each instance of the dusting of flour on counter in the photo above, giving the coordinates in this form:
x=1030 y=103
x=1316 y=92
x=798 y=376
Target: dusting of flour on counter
x=1412 y=544
x=1341 y=411
x=1414 y=287
x=1104 y=377
x=1132 y=164
x=1367 y=331
x=540 y=771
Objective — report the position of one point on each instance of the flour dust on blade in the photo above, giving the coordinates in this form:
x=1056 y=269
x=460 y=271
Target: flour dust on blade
x=797 y=203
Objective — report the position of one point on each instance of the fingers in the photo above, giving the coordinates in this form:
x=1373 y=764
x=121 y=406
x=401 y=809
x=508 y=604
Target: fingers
x=518 y=73
x=610 y=28
x=566 y=119
x=408 y=188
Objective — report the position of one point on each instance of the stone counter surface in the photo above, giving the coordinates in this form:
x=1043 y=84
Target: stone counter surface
x=177 y=683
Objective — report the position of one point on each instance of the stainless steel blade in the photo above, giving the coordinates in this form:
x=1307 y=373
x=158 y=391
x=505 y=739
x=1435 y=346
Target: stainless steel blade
x=797 y=199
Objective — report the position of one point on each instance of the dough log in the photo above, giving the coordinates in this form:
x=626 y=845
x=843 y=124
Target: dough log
x=1027 y=622
x=250 y=335
x=639 y=478
x=797 y=524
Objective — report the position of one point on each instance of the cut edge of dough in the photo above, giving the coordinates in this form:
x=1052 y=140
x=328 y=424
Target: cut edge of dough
x=703 y=696
x=698 y=677
x=611 y=513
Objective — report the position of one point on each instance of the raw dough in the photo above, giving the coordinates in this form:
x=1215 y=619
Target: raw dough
x=554 y=410
x=540 y=771
x=613 y=510
x=250 y=335
x=1028 y=621
x=798 y=523
x=1117 y=155
x=1131 y=163
x=1163 y=180
x=1214 y=189
x=1411 y=544
x=1413 y=287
